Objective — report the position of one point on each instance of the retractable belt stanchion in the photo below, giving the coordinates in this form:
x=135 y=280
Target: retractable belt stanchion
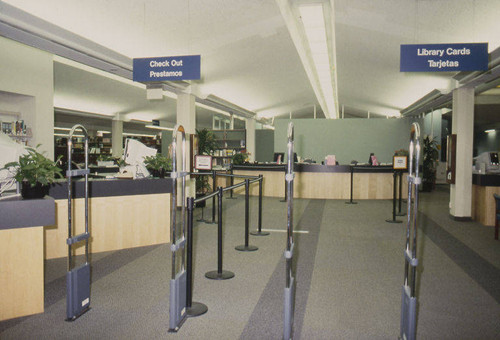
x=394 y=189
x=352 y=186
x=289 y=294
x=409 y=299
x=78 y=278
x=259 y=231
x=214 y=183
x=232 y=183
x=400 y=198
x=178 y=281
x=246 y=246
x=219 y=274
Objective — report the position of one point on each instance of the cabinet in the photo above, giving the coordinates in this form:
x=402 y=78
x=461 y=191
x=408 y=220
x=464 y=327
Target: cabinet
x=230 y=142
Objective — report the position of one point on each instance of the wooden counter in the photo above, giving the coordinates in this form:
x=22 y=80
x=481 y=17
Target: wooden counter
x=325 y=182
x=122 y=214
x=21 y=255
x=483 y=202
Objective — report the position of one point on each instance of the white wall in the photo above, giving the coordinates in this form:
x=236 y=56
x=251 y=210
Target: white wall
x=29 y=72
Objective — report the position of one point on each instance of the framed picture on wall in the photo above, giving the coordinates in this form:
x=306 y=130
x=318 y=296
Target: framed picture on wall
x=400 y=162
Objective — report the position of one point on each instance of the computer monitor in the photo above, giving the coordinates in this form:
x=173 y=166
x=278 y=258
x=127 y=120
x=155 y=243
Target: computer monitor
x=279 y=156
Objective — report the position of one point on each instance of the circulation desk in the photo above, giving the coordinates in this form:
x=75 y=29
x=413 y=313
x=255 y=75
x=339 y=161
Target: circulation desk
x=324 y=181
x=21 y=255
x=483 y=202
x=123 y=213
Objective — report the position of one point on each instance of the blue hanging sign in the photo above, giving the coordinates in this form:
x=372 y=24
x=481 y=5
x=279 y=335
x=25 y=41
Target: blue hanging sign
x=167 y=68
x=444 y=57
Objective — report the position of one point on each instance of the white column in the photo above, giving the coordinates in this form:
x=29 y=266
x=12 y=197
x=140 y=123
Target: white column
x=250 y=126
x=117 y=136
x=186 y=116
x=463 y=127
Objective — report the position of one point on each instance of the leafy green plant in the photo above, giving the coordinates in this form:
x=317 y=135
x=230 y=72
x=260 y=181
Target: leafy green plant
x=431 y=155
x=239 y=158
x=207 y=143
x=34 y=168
x=401 y=152
x=105 y=157
x=158 y=164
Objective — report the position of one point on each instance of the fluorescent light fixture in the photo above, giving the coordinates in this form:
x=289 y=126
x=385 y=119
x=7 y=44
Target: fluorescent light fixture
x=137 y=134
x=490 y=130
x=159 y=127
x=103 y=131
x=67 y=135
x=315 y=30
x=62 y=129
x=267 y=126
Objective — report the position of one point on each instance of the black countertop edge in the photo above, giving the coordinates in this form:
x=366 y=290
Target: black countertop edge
x=20 y=213
x=113 y=187
x=318 y=168
x=486 y=180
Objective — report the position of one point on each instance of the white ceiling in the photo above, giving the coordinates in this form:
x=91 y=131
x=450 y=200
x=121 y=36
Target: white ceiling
x=248 y=57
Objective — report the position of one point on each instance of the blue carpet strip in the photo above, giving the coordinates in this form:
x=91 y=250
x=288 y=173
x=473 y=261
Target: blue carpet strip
x=267 y=316
x=480 y=270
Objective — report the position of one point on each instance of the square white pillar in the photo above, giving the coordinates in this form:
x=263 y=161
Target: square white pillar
x=250 y=144
x=463 y=127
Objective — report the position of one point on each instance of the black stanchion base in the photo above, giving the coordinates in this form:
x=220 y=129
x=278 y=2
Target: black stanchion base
x=259 y=233
x=215 y=275
x=246 y=248
x=401 y=214
x=393 y=221
x=196 y=309
x=351 y=202
x=203 y=220
x=211 y=222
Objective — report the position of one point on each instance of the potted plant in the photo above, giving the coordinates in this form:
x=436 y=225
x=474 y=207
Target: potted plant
x=35 y=172
x=158 y=165
x=430 y=154
x=239 y=158
x=105 y=160
x=207 y=144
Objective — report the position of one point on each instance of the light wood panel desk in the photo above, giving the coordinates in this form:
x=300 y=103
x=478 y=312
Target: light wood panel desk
x=325 y=182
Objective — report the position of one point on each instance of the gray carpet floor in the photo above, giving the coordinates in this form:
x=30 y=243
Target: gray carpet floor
x=349 y=272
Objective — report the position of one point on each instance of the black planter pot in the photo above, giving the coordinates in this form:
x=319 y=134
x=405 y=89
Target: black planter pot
x=36 y=192
x=158 y=173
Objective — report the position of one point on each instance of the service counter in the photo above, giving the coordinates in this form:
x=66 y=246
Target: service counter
x=123 y=213
x=21 y=255
x=483 y=202
x=324 y=181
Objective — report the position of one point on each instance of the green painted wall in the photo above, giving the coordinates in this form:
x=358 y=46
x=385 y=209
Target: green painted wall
x=264 y=145
x=347 y=139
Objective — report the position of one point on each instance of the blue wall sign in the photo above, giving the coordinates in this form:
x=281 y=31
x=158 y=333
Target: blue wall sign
x=167 y=68
x=444 y=57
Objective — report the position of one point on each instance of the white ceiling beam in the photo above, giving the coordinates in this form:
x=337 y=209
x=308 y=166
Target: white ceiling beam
x=295 y=28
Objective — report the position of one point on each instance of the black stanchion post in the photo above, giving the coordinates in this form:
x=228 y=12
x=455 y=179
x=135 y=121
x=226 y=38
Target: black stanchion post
x=352 y=186
x=214 y=183
x=219 y=274
x=247 y=247
x=400 y=213
x=232 y=183
x=394 y=190
x=259 y=231
x=192 y=308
